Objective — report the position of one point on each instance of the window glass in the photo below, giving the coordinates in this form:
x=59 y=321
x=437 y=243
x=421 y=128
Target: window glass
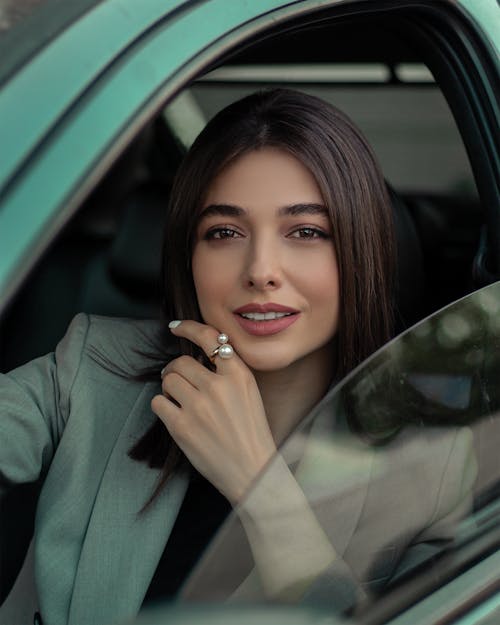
x=14 y=11
x=28 y=25
x=398 y=464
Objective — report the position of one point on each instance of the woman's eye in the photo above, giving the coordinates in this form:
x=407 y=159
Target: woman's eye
x=309 y=233
x=221 y=233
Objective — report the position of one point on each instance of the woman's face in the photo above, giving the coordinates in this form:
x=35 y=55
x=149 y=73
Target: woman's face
x=264 y=265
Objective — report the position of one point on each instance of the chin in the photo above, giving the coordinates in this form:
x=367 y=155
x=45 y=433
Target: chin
x=265 y=363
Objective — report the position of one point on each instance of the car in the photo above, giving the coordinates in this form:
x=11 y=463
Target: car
x=99 y=101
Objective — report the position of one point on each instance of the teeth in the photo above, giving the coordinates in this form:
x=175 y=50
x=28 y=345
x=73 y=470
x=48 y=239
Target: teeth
x=264 y=316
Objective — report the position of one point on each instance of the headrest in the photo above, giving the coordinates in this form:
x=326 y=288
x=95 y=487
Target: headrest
x=410 y=277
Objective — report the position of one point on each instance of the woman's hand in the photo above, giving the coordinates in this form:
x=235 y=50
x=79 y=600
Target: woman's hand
x=217 y=418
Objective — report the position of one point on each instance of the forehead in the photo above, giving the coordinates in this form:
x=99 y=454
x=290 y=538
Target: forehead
x=265 y=177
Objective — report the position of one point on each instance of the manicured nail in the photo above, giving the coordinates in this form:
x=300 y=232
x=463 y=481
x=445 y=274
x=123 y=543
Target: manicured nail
x=174 y=324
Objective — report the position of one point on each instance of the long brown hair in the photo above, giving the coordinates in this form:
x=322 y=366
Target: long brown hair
x=354 y=191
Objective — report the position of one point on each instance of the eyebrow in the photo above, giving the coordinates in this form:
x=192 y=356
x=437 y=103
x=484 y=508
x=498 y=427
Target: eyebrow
x=303 y=209
x=229 y=210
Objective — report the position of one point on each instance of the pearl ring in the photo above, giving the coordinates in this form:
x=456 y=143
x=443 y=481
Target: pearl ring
x=223 y=349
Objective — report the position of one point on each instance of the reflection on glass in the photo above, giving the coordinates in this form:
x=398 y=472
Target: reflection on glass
x=397 y=464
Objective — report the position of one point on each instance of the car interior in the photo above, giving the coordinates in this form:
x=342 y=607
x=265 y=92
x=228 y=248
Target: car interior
x=392 y=75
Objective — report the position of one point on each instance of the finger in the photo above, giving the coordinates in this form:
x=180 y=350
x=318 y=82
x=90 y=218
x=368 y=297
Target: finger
x=206 y=338
x=200 y=334
x=165 y=410
x=190 y=369
x=177 y=387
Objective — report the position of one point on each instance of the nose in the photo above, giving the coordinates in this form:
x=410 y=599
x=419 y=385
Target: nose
x=263 y=269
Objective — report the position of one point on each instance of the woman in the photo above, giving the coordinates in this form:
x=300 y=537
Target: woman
x=278 y=270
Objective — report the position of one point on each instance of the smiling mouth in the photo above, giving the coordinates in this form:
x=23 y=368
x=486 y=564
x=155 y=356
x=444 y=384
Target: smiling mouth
x=265 y=322
x=268 y=316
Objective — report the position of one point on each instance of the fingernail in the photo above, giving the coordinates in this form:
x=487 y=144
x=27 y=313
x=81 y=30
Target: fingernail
x=162 y=372
x=174 y=324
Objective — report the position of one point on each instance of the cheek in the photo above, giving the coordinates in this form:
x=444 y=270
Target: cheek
x=211 y=281
x=318 y=276
x=319 y=283
x=324 y=298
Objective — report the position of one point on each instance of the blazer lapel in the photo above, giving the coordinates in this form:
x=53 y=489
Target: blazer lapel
x=122 y=546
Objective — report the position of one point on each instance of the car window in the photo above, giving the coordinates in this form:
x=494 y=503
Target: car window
x=28 y=25
x=14 y=12
x=398 y=105
x=410 y=435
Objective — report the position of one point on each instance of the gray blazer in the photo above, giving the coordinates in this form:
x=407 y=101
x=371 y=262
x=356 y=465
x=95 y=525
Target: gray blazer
x=72 y=416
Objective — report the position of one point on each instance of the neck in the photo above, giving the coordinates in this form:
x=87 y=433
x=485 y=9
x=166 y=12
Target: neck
x=290 y=394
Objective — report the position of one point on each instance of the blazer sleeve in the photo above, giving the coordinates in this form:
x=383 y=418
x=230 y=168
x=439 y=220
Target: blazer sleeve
x=34 y=407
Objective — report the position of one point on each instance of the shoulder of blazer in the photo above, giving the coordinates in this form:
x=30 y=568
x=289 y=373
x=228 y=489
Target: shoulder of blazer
x=126 y=347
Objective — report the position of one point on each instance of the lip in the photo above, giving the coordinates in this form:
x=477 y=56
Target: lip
x=264 y=308
x=269 y=327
